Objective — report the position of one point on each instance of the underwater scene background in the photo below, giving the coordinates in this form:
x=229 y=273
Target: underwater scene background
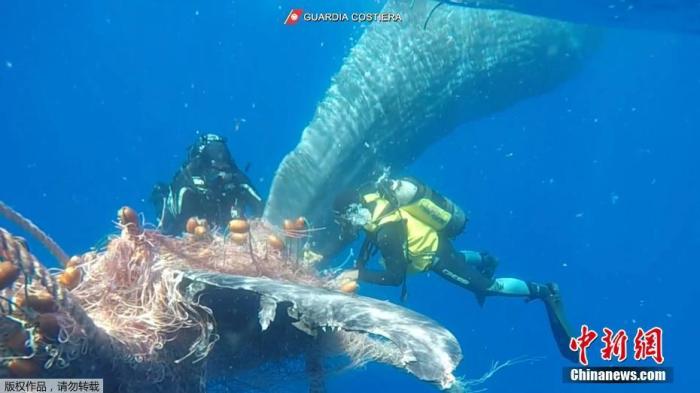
x=594 y=185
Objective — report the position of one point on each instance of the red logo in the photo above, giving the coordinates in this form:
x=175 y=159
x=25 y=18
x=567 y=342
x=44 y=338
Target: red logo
x=582 y=343
x=294 y=16
x=614 y=345
x=647 y=344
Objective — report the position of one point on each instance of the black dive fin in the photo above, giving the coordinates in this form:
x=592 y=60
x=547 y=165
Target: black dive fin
x=560 y=327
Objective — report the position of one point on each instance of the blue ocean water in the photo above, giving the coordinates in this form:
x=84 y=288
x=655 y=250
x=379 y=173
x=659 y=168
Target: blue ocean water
x=594 y=185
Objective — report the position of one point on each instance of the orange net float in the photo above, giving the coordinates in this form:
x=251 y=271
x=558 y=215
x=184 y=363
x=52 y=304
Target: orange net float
x=23 y=368
x=41 y=302
x=127 y=215
x=300 y=224
x=275 y=242
x=191 y=224
x=70 y=278
x=298 y=228
x=239 y=238
x=129 y=219
x=349 y=287
x=74 y=261
x=49 y=327
x=200 y=231
x=294 y=226
x=199 y=227
x=9 y=272
x=16 y=342
x=238 y=225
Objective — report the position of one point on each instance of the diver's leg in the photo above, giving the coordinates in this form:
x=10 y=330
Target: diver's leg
x=486 y=265
x=465 y=270
x=456 y=268
x=474 y=271
x=550 y=295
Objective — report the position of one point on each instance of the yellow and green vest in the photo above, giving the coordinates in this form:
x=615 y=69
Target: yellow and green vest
x=422 y=235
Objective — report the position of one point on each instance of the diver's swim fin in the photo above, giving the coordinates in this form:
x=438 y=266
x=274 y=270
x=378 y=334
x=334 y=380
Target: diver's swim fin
x=561 y=330
x=557 y=321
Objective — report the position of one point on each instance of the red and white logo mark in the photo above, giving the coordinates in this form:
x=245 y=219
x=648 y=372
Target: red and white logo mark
x=294 y=16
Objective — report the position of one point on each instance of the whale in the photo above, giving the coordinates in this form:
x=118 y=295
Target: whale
x=405 y=85
x=677 y=16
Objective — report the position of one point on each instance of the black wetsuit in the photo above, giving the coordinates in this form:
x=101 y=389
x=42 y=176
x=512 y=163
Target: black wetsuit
x=470 y=270
x=210 y=186
x=390 y=240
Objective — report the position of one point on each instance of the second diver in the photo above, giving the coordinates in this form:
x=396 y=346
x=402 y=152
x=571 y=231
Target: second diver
x=411 y=225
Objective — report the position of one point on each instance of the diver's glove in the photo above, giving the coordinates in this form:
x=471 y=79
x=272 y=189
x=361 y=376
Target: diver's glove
x=482 y=261
x=347 y=281
x=488 y=265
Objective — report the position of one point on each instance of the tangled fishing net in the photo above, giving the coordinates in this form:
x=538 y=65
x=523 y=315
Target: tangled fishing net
x=144 y=311
x=127 y=313
x=131 y=287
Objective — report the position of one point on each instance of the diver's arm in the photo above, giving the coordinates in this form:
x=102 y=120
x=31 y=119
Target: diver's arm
x=252 y=199
x=246 y=193
x=390 y=241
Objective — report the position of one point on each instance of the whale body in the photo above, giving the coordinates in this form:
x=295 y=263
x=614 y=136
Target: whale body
x=680 y=16
x=405 y=85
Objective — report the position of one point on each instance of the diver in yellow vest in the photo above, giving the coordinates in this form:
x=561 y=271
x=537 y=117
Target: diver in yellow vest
x=411 y=225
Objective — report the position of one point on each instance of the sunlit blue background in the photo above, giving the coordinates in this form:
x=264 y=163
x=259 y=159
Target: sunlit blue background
x=594 y=185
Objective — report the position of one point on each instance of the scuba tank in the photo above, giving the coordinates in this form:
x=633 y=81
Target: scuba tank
x=426 y=205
